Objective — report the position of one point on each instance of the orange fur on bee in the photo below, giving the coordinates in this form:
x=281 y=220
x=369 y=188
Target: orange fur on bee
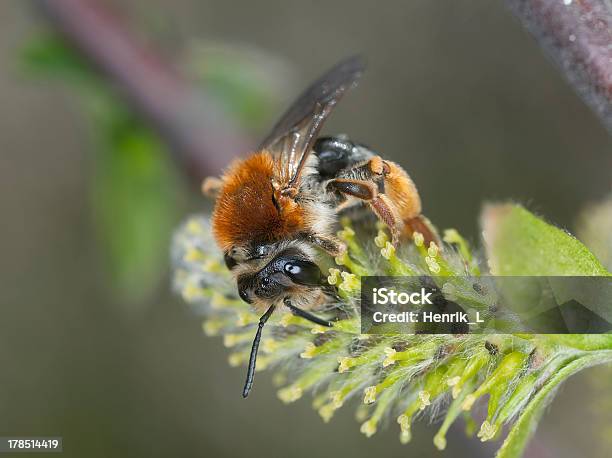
x=402 y=192
x=245 y=210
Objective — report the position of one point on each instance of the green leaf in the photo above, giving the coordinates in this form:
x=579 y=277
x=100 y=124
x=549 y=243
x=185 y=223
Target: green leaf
x=135 y=187
x=249 y=83
x=135 y=192
x=520 y=243
x=523 y=428
x=47 y=55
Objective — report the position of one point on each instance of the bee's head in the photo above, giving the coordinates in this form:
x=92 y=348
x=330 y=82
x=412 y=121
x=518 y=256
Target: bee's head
x=273 y=271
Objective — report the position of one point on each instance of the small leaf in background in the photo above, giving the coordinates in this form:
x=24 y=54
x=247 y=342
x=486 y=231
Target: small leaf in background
x=135 y=187
x=135 y=193
x=248 y=81
x=47 y=55
x=520 y=243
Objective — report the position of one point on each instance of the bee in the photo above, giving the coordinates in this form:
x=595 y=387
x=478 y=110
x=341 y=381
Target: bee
x=277 y=210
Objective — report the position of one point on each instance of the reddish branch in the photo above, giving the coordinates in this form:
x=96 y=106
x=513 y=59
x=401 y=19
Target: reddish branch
x=203 y=137
x=577 y=35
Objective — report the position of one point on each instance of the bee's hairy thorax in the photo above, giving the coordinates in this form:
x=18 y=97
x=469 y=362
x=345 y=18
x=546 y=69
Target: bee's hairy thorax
x=249 y=208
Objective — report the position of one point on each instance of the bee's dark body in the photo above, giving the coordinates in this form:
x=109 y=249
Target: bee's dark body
x=335 y=157
x=336 y=154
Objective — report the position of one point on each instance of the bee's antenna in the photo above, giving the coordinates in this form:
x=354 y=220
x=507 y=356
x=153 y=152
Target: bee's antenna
x=304 y=314
x=253 y=358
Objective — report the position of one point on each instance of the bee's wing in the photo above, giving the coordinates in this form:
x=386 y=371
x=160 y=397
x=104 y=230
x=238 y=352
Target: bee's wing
x=293 y=135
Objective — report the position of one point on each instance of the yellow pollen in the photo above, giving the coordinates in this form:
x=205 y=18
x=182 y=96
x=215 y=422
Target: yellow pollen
x=381 y=239
x=334 y=276
x=217 y=300
x=191 y=291
x=194 y=227
x=487 y=431
x=229 y=340
x=244 y=318
x=290 y=394
x=433 y=249
x=368 y=428
x=210 y=328
x=327 y=412
x=336 y=399
x=469 y=402
x=388 y=251
x=345 y=364
x=193 y=255
x=270 y=345
x=369 y=395
x=440 y=442
x=286 y=320
x=434 y=267
x=453 y=381
x=346 y=233
x=404 y=422
x=235 y=359
x=309 y=351
x=350 y=282
x=390 y=359
x=424 y=397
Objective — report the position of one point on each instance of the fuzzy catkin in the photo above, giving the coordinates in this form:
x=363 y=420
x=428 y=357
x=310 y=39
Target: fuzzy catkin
x=403 y=376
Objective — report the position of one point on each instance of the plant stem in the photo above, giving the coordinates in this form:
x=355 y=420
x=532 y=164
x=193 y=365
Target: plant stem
x=577 y=35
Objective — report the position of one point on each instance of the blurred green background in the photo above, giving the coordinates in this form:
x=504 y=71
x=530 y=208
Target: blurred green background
x=94 y=346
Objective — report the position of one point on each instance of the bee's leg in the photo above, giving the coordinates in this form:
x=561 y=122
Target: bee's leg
x=423 y=226
x=253 y=358
x=331 y=245
x=391 y=194
x=211 y=186
x=379 y=202
x=306 y=315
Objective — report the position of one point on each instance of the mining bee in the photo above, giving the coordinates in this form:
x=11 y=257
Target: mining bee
x=278 y=209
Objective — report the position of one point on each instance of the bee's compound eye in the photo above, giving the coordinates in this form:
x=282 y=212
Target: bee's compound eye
x=243 y=292
x=293 y=269
x=230 y=261
x=303 y=272
x=244 y=296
